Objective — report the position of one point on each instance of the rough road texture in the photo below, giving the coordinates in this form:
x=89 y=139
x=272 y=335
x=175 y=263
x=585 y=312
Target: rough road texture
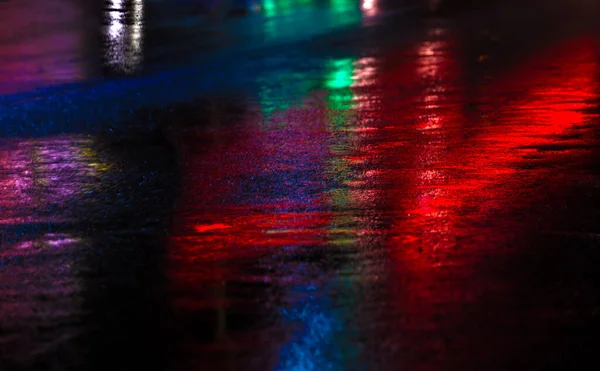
x=397 y=193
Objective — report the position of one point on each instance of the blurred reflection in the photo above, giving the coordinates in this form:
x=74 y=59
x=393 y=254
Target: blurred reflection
x=46 y=43
x=41 y=303
x=39 y=177
x=555 y=106
x=438 y=118
x=424 y=231
x=326 y=337
x=124 y=34
x=464 y=191
x=338 y=82
x=293 y=18
x=286 y=17
x=270 y=191
x=369 y=7
x=280 y=212
x=344 y=12
x=279 y=90
x=274 y=8
x=41 y=181
x=76 y=235
x=316 y=345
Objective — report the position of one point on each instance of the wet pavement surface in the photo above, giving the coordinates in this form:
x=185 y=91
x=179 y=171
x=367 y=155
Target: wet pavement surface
x=398 y=192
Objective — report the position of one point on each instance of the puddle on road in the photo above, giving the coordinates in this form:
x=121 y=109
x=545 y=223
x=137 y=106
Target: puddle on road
x=77 y=216
x=371 y=222
x=362 y=212
x=60 y=42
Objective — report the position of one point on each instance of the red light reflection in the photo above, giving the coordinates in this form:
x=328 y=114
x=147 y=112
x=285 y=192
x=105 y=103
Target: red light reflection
x=266 y=189
x=245 y=194
x=400 y=162
x=446 y=185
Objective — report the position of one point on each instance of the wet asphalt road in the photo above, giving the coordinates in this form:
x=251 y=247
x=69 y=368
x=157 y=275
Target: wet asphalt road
x=398 y=192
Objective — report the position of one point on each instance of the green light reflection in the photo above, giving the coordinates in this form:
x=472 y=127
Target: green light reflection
x=339 y=79
x=289 y=18
x=345 y=12
x=270 y=8
x=280 y=90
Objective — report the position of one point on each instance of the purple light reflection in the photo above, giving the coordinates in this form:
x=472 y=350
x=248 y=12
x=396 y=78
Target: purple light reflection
x=39 y=288
x=37 y=176
x=41 y=183
x=45 y=43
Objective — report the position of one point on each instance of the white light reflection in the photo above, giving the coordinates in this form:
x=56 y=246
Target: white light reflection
x=431 y=56
x=364 y=76
x=437 y=117
x=115 y=28
x=124 y=34
x=369 y=7
x=136 y=28
x=364 y=72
